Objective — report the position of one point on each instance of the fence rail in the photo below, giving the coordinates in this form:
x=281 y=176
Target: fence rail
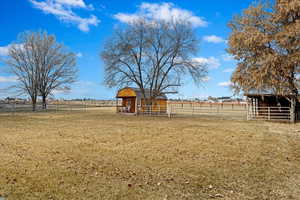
x=228 y=111
x=153 y=110
x=269 y=113
x=236 y=111
x=53 y=106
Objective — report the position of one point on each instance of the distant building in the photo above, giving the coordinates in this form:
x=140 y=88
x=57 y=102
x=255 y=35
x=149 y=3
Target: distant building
x=14 y=100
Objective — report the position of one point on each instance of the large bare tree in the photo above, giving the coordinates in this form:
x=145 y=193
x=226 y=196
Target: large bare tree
x=153 y=56
x=41 y=65
x=265 y=40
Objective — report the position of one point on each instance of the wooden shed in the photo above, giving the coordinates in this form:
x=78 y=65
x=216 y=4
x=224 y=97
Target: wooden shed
x=133 y=101
x=271 y=107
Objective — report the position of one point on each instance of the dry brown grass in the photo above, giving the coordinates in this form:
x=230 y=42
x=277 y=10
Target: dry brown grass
x=101 y=155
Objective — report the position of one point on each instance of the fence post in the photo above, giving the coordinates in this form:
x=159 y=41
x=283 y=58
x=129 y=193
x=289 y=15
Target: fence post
x=292 y=115
x=247 y=110
x=14 y=107
x=292 y=110
x=269 y=114
x=170 y=111
x=193 y=109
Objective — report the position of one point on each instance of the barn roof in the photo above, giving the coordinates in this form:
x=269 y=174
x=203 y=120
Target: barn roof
x=269 y=95
x=139 y=93
x=256 y=93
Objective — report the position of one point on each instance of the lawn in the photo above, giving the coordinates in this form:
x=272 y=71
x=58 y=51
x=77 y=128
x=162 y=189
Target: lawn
x=100 y=155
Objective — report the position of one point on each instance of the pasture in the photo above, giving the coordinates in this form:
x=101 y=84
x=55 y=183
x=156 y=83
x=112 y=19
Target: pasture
x=97 y=154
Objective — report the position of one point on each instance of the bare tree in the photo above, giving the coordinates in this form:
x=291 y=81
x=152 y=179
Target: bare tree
x=41 y=65
x=57 y=70
x=153 y=56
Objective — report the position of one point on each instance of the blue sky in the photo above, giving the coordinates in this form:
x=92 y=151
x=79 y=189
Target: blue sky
x=84 y=25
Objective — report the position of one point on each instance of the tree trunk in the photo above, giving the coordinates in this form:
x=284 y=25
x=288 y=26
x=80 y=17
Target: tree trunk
x=44 y=102
x=33 y=105
x=293 y=109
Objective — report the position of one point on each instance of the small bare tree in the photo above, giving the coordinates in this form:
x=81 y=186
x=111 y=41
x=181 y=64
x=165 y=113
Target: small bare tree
x=41 y=65
x=152 y=56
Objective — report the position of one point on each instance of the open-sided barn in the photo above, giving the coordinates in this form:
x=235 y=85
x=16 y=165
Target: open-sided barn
x=272 y=107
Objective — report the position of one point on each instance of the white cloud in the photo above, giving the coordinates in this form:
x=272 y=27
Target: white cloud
x=79 y=55
x=62 y=9
x=74 y=3
x=127 y=18
x=227 y=57
x=228 y=70
x=8 y=79
x=83 y=84
x=206 y=78
x=225 y=84
x=4 y=50
x=161 y=11
x=214 y=39
x=211 y=62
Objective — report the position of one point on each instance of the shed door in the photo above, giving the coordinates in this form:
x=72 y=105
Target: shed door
x=129 y=102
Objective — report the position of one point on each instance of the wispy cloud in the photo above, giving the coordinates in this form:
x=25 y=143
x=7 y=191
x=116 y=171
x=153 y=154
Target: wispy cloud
x=228 y=70
x=75 y=3
x=211 y=62
x=4 y=50
x=206 y=79
x=63 y=10
x=8 y=79
x=225 y=84
x=227 y=57
x=79 y=55
x=161 y=11
x=214 y=39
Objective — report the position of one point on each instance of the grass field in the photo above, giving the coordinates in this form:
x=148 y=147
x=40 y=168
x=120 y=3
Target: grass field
x=100 y=155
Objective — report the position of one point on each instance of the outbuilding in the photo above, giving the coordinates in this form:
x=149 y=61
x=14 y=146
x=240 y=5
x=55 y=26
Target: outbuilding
x=134 y=102
x=272 y=107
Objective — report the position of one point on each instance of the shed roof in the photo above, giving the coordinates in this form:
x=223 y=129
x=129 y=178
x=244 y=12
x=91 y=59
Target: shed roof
x=139 y=94
x=269 y=93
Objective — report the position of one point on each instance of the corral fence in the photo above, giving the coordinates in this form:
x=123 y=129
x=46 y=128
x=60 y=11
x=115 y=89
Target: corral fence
x=219 y=110
x=15 y=107
x=240 y=111
x=269 y=113
x=229 y=110
x=153 y=110
x=194 y=109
